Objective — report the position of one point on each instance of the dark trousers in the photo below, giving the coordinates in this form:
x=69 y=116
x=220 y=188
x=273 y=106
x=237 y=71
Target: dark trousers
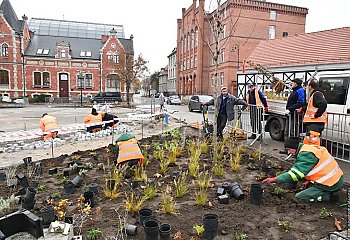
x=317 y=127
x=255 y=119
x=221 y=123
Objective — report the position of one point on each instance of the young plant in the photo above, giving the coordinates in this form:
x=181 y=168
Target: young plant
x=168 y=203
x=145 y=153
x=255 y=154
x=56 y=195
x=201 y=196
x=82 y=172
x=204 y=146
x=235 y=159
x=111 y=192
x=164 y=163
x=261 y=176
x=175 y=133
x=325 y=213
x=278 y=191
x=94 y=234
x=181 y=185
x=73 y=168
x=218 y=169
x=118 y=173
x=133 y=203
x=172 y=157
x=75 y=157
x=63 y=180
x=40 y=188
x=139 y=173
x=101 y=166
x=193 y=168
x=204 y=179
x=150 y=191
x=241 y=236
x=199 y=229
x=285 y=225
x=8 y=205
x=89 y=165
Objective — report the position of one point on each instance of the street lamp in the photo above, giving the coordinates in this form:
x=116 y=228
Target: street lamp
x=81 y=77
x=236 y=48
x=20 y=35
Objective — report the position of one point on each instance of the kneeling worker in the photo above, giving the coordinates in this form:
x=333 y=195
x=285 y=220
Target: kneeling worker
x=110 y=119
x=128 y=150
x=49 y=126
x=318 y=167
x=93 y=118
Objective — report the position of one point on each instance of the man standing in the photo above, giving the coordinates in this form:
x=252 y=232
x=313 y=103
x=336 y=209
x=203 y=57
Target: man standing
x=225 y=106
x=257 y=100
x=316 y=115
x=162 y=101
x=49 y=126
x=315 y=164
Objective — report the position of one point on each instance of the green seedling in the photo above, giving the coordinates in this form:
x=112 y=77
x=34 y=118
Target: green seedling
x=278 y=191
x=175 y=133
x=82 y=172
x=40 y=188
x=240 y=177
x=204 y=179
x=164 y=163
x=193 y=168
x=63 y=180
x=74 y=167
x=139 y=173
x=255 y=154
x=94 y=234
x=325 y=213
x=241 y=236
x=261 y=176
x=89 y=165
x=218 y=169
x=168 y=203
x=150 y=191
x=199 y=229
x=181 y=185
x=235 y=159
x=133 y=203
x=56 y=195
x=285 y=225
x=201 y=196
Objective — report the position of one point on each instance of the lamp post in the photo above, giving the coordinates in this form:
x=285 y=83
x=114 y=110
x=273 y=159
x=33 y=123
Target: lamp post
x=81 y=78
x=20 y=35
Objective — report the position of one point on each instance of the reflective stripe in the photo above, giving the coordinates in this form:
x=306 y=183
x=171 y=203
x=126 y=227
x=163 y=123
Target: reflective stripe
x=294 y=177
x=301 y=175
x=128 y=154
x=329 y=175
x=323 y=165
x=128 y=145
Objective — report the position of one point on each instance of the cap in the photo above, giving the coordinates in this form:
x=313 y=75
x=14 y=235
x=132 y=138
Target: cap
x=251 y=84
x=223 y=88
x=297 y=81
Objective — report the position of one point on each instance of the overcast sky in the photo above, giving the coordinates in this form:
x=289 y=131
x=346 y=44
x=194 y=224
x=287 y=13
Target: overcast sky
x=153 y=22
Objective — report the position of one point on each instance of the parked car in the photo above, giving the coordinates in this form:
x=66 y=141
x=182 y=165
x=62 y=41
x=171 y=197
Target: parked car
x=173 y=100
x=196 y=102
x=108 y=97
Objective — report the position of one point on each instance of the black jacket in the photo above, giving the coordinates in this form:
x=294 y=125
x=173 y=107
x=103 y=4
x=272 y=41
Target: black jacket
x=319 y=102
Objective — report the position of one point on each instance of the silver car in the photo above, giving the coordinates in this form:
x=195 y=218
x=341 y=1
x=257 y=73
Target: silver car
x=196 y=102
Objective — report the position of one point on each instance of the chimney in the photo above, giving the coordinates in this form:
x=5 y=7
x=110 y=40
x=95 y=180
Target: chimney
x=104 y=38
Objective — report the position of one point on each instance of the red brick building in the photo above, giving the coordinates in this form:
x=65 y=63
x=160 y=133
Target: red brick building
x=60 y=58
x=244 y=24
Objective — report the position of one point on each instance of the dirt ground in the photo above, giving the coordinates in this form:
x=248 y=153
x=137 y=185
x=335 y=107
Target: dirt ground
x=237 y=217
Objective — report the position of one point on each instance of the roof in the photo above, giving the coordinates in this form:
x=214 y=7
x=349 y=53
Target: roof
x=64 y=28
x=329 y=46
x=77 y=45
x=11 y=16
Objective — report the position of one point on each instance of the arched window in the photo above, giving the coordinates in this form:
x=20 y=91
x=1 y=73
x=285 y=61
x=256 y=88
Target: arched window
x=192 y=39
x=116 y=57
x=4 y=78
x=196 y=36
x=5 y=50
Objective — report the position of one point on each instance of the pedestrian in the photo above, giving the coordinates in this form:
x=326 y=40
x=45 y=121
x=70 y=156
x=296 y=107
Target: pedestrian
x=94 y=118
x=162 y=101
x=316 y=115
x=225 y=105
x=256 y=100
x=49 y=126
x=128 y=151
x=109 y=120
x=315 y=164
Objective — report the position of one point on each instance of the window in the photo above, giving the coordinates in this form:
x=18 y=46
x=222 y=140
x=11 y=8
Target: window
x=46 y=51
x=109 y=56
x=285 y=34
x=225 y=12
x=4 y=78
x=188 y=42
x=191 y=64
x=213 y=61
x=37 y=78
x=196 y=36
x=272 y=32
x=334 y=89
x=5 y=50
x=85 y=81
x=224 y=31
x=222 y=79
x=116 y=58
x=88 y=54
x=273 y=15
x=63 y=53
x=223 y=55
x=42 y=79
x=195 y=61
x=113 y=82
x=46 y=79
x=192 y=40
x=212 y=80
x=39 y=51
x=182 y=45
x=82 y=54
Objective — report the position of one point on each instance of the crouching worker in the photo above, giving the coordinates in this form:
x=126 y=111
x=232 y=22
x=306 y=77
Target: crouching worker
x=128 y=150
x=315 y=164
x=110 y=119
x=93 y=119
x=49 y=126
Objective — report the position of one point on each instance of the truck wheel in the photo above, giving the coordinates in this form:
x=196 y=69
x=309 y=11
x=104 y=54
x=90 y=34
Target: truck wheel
x=276 y=131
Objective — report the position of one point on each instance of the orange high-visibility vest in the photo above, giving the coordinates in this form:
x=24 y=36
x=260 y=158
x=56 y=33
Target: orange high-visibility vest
x=257 y=98
x=327 y=171
x=313 y=139
x=93 y=119
x=311 y=110
x=129 y=150
x=48 y=123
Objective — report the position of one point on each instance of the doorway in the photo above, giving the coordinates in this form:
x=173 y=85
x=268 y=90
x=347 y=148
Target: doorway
x=63 y=85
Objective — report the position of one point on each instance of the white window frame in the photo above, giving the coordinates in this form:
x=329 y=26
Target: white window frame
x=222 y=55
x=46 y=51
x=272 y=32
x=222 y=79
x=4 y=53
x=224 y=31
x=39 y=51
x=273 y=15
x=63 y=53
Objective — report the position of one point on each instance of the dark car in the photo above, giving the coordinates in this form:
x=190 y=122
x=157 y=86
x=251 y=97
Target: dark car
x=108 y=97
x=196 y=102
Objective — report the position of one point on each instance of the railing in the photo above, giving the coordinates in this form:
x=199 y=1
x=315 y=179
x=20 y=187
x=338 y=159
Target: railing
x=71 y=101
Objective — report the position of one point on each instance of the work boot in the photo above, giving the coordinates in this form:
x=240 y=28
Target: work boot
x=284 y=151
x=338 y=196
x=252 y=136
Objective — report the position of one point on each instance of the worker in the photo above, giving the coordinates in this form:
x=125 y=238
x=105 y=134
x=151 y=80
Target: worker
x=94 y=118
x=316 y=115
x=315 y=164
x=225 y=105
x=49 y=126
x=161 y=100
x=256 y=99
x=128 y=150
x=109 y=119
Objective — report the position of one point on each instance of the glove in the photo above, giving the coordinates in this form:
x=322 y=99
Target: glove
x=266 y=109
x=286 y=112
x=300 y=110
x=306 y=184
x=270 y=180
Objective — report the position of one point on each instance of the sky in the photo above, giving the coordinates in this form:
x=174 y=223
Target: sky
x=153 y=22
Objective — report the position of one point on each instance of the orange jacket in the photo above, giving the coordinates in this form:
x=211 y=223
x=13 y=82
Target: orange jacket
x=48 y=123
x=257 y=99
x=310 y=112
x=129 y=150
x=93 y=118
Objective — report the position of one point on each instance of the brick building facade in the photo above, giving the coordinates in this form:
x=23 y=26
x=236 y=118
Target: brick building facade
x=244 y=24
x=60 y=58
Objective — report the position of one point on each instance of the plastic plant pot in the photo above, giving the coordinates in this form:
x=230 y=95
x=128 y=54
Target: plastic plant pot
x=2 y=175
x=66 y=172
x=23 y=180
x=226 y=186
x=223 y=199
x=151 y=228
x=165 y=231
x=28 y=206
x=35 y=184
x=70 y=163
x=144 y=214
x=77 y=181
x=220 y=191
x=52 y=171
x=27 y=161
x=30 y=193
x=211 y=225
x=68 y=219
x=93 y=187
x=48 y=215
x=134 y=184
x=256 y=191
x=236 y=191
x=131 y=230
x=69 y=188
x=265 y=168
x=22 y=191
x=38 y=169
x=89 y=198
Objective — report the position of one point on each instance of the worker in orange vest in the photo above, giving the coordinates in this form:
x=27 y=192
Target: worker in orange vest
x=322 y=172
x=128 y=150
x=316 y=115
x=49 y=126
x=94 y=118
x=256 y=99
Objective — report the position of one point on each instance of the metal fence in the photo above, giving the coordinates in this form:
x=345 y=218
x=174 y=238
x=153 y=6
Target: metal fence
x=68 y=101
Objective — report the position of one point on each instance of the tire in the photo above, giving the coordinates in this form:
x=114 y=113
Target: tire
x=276 y=131
x=189 y=108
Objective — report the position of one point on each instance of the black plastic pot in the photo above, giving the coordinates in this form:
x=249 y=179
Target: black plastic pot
x=66 y=172
x=70 y=163
x=68 y=219
x=220 y=191
x=27 y=161
x=134 y=184
x=144 y=214
x=21 y=191
x=28 y=206
x=266 y=168
x=236 y=191
x=223 y=199
x=93 y=187
x=256 y=191
x=211 y=225
x=22 y=179
x=151 y=228
x=89 y=198
x=2 y=175
x=38 y=169
x=164 y=231
x=48 y=215
x=30 y=193
x=69 y=188
x=35 y=184
x=53 y=171
x=226 y=186
x=131 y=230
x=77 y=181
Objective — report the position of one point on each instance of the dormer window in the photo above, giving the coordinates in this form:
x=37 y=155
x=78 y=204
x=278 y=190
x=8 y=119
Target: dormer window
x=63 y=53
x=88 y=54
x=46 y=51
x=39 y=51
x=82 y=54
x=85 y=54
